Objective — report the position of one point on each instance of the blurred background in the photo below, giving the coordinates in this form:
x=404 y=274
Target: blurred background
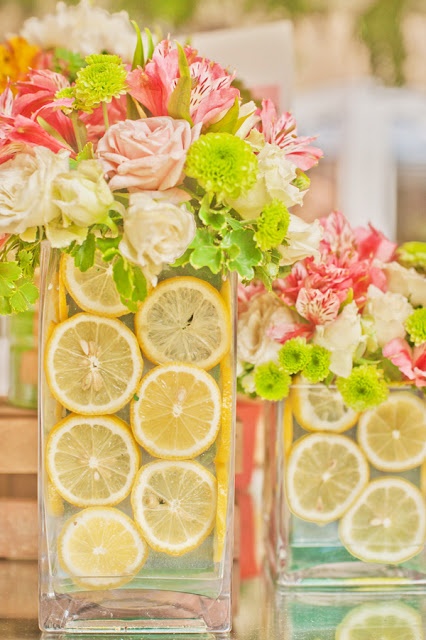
x=352 y=71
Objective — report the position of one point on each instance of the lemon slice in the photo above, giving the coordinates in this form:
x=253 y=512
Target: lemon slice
x=92 y=460
x=101 y=548
x=287 y=426
x=92 y=364
x=184 y=319
x=177 y=412
x=393 y=434
x=391 y=620
x=387 y=523
x=321 y=408
x=93 y=290
x=325 y=474
x=174 y=504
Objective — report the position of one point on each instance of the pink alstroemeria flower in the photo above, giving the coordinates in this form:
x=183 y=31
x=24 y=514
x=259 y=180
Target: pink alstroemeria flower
x=246 y=292
x=282 y=131
x=211 y=92
x=410 y=361
x=372 y=244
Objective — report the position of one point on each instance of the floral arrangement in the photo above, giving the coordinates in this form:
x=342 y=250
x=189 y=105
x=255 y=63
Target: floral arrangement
x=145 y=152
x=353 y=315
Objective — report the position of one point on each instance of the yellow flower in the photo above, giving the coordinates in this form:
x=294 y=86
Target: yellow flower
x=16 y=57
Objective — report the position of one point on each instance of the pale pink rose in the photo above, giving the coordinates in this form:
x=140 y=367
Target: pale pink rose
x=147 y=154
x=411 y=362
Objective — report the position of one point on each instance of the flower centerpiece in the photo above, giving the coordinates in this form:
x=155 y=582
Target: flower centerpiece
x=140 y=181
x=342 y=339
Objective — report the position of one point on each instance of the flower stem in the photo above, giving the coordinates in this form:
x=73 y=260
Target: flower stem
x=75 y=124
x=105 y=112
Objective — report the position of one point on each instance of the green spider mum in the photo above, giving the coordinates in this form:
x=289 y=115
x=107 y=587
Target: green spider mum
x=415 y=326
x=271 y=381
x=103 y=79
x=272 y=225
x=318 y=366
x=224 y=165
x=294 y=355
x=363 y=389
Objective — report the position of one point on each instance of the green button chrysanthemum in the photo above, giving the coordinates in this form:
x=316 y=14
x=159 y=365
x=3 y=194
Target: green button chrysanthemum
x=224 y=165
x=415 y=326
x=272 y=225
x=363 y=389
x=103 y=79
x=294 y=355
x=271 y=381
x=318 y=366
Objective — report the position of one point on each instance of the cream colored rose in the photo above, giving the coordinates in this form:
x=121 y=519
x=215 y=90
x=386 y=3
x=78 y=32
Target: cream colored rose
x=343 y=338
x=155 y=233
x=387 y=313
x=84 y=29
x=263 y=312
x=275 y=175
x=407 y=282
x=26 y=189
x=303 y=240
x=82 y=195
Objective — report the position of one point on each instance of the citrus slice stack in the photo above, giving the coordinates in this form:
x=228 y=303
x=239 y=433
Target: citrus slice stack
x=321 y=408
x=393 y=434
x=387 y=523
x=177 y=412
x=174 y=504
x=93 y=364
x=92 y=460
x=184 y=319
x=391 y=620
x=93 y=290
x=325 y=474
x=101 y=548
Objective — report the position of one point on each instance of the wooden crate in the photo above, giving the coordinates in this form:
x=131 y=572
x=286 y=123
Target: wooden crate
x=18 y=482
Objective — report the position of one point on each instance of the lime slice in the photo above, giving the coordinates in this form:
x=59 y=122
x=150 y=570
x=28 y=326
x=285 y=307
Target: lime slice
x=387 y=523
x=393 y=434
x=325 y=474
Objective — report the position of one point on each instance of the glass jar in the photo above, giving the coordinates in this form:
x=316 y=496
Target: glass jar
x=344 y=496
x=136 y=517
x=23 y=359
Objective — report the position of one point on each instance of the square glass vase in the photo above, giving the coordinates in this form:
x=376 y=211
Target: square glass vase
x=345 y=491
x=136 y=516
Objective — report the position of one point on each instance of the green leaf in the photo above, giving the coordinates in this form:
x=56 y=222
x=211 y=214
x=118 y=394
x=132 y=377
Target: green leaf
x=123 y=278
x=140 y=286
x=202 y=238
x=86 y=153
x=210 y=257
x=10 y=271
x=179 y=101
x=229 y=122
x=248 y=256
x=5 y=308
x=24 y=296
x=212 y=218
x=184 y=259
x=84 y=257
x=106 y=244
x=150 y=44
x=138 y=56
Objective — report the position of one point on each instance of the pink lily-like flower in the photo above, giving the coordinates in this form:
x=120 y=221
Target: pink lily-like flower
x=282 y=131
x=285 y=331
x=410 y=361
x=338 y=242
x=372 y=244
x=211 y=92
x=246 y=292
x=318 y=307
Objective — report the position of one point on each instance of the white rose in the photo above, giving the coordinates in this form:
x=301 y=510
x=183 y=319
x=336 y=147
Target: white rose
x=155 y=233
x=303 y=240
x=274 y=178
x=407 y=282
x=387 y=312
x=254 y=345
x=85 y=29
x=82 y=195
x=26 y=189
x=343 y=338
